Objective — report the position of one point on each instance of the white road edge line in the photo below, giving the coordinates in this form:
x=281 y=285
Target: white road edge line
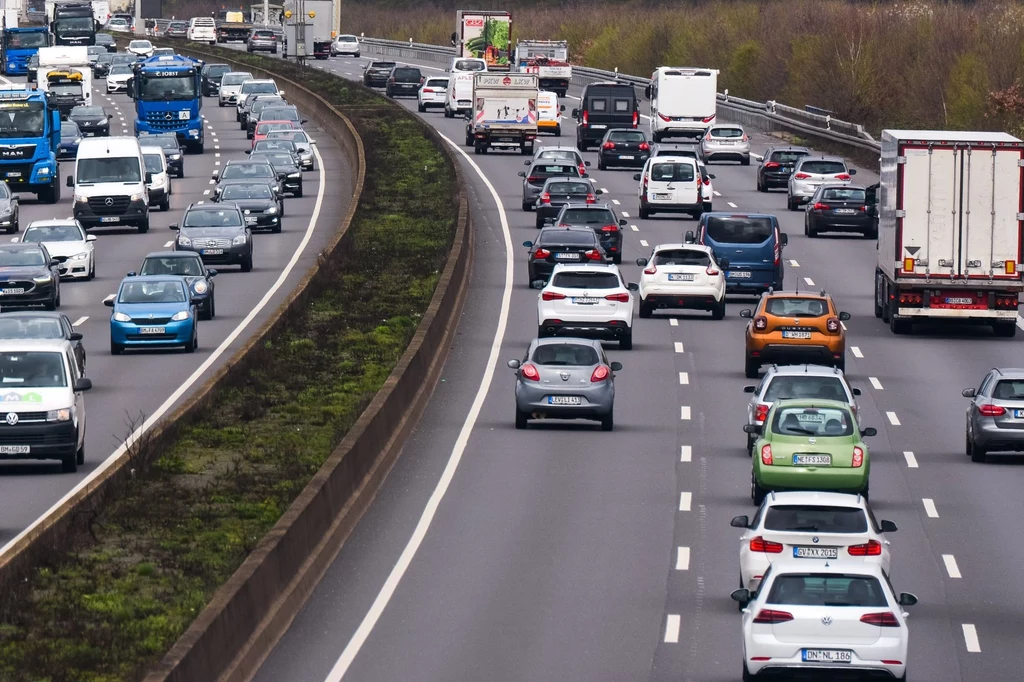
x=970 y=638
x=875 y=383
x=685 y=453
x=951 y=568
x=672 y=628
x=856 y=351
x=893 y=419
x=793 y=264
x=682 y=558
x=731 y=205
x=169 y=244
x=929 y=508
x=359 y=637
x=685 y=500
x=911 y=460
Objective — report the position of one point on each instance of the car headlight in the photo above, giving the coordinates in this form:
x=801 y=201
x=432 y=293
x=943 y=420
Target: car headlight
x=80 y=256
x=121 y=317
x=81 y=199
x=200 y=286
x=271 y=211
x=240 y=239
x=44 y=171
x=138 y=197
x=7 y=211
x=78 y=140
x=174 y=157
x=180 y=315
x=295 y=175
x=61 y=415
x=42 y=279
x=184 y=241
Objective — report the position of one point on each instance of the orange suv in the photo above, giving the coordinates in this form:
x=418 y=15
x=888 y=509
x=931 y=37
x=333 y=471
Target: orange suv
x=788 y=328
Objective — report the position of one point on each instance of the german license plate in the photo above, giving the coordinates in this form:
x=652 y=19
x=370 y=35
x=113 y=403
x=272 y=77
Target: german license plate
x=151 y=330
x=213 y=252
x=14 y=174
x=598 y=127
x=250 y=219
x=812 y=460
x=15 y=449
x=827 y=656
x=1018 y=414
x=564 y=400
x=110 y=219
x=739 y=274
x=959 y=301
x=675 y=277
x=724 y=142
x=584 y=300
x=567 y=256
x=796 y=335
x=844 y=211
x=627 y=158
x=662 y=196
x=12 y=291
x=816 y=552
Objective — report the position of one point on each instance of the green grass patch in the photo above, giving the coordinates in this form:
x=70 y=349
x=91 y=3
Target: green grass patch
x=158 y=553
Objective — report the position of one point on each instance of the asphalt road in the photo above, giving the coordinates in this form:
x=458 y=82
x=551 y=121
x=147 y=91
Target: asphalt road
x=565 y=553
x=138 y=385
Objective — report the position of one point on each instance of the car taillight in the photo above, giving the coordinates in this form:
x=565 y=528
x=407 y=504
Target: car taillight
x=858 y=457
x=422 y=80
x=391 y=80
x=843 y=176
x=777 y=250
x=884 y=619
x=600 y=373
x=711 y=271
x=618 y=298
x=991 y=411
x=745 y=138
x=759 y=544
x=706 y=180
x=651 y=269
x=610 y=228
x=760 y=323
x=766 y=454
x=832 y=324
x=608 y=145
x=801 y=176
x=760 y=413
x=564 y=225
x=663 y=117
x=552 y=296
x=862 y=209
x=534 y=179
x=869 y=548
x=708 y=137
x=636 y=118
x=708 y=119
x=586 y=119
x=773 y=164
x=591 y=199
x=772 y=616
x=582 y=169
x=428 y=89
x=529 y=371
x=545 y=198
x=644 y=146
x=820 y=206
x=592 y=254
x=541 y=253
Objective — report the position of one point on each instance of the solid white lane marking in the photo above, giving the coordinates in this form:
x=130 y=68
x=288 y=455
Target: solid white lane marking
x=615 y=201
x=169 y=244
x=731 y=205
x=911 y=460
x=80 y=321
x=682 y=558
x=625 y=215
x=685 y=453
x=794 y=264
x=856 y=352
x=643 y=242
x=673 y=321
x=423 y=525
x=716 y=192
x=875 y=383
x=684 y=378
x=893 y=419
x=970 y=638
x=672 y=628
x=685 y=500
x=929 y=508
x=810 y=282
x=951 y=568
x=679 y=346
x=634 y=228
x=684 y=412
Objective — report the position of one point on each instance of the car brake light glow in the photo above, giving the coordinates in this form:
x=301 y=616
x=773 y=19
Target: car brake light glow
x=583 y=169
x=766 y=454
x=600 y=373
x=760 y=413
x=708 y=137
x=534 y=178
x=636 y=118
x=608 y=145
x=759 y=544
x=591 y=199
x=586 y=119
x=541 y=253
x=545 y=198
x=610 y=228
x=801 y=176
x=832 y=324
x=760 y=323
x=844 y=176
x=745 y=138
x=706 y=180
x=618 y=298
x=858 y=457
x=991 y=411
x=651 y=269
x=708 y=119
x=529 y=371
x=820 y=206
x=885 y=619
x=772 y=616
x=870 y=548
x=712 y=271
x=773 y=164
x=663 y=117
x=425 y=90
x=644 y=146
x=552 y=296
x=592 y=254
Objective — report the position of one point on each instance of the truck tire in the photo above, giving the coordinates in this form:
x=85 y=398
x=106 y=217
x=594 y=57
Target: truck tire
x=878 y=296
x=51 y=195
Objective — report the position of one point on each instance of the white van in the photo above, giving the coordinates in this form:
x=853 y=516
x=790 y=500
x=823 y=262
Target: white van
x=110 y=183
x=670 y=184
x=684 y=101
x=549 y=113
x=459 y=99
x=44 y=410
x=202 y=30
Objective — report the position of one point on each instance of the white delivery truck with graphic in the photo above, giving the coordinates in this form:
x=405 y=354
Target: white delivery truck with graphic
x=504 y=113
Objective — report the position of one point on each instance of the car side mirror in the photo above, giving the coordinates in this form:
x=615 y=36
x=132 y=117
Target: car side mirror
x=711 y=176
x=526 y=163
x=647 y=92
x=214 y=174
x=740 y=521
x=642 y=262
x=109 y=301
x=110 y=117
x=689 y=237
x=585 y=175
x=622 y=221
x=749 y=389
x=856 y=391
x=83 y=384
x=747 y=312
x=71 y=181
x=969 y=392
x=537 y=284
x=587 y=164
x=907 y=599
x=173 y=226
x=131 y=273
x=636 y=176
x=149 y=177
x=575 y=113
x=868 y=432
x=528 y=244
x=75 y=336
x=633 y=286
x=844 y=316
x=784 y=239
x=303 y=121
x=211 y=273
x=887 y=526
x=853 y=171
x=752 y=429
x=90 y=237
x=741 y=595
x=54 y=262
x=561 y=108
x=724 y=263
x=514 y=364
x=521 y=174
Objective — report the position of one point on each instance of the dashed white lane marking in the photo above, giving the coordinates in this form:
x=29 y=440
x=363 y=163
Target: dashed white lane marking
x=200 y=202
x=684 y=378
x=615 y=201
x=673 y=322
x=685 y=453
x=348 y=73
x=716 y=193
x=672 y=629
x=682 y=558
x=80 y=321
x=685 y=500
x=217 y=155
x=809 y=281
x=684 y=412
x=213 y=182
x=604 y=190
x=929 y=508
x=951 y=568
x=169 y=244
x=794 y=264
x=643 y=243
x=911 y=460
x=625 y=215
x=679 y=346
x=216 y=146
x=856 y=352
x=634 y=228
x=731 y=205
x=970 y=637
x=893 y=419
x=206 y=192
x=875 y=383
x=217 y=163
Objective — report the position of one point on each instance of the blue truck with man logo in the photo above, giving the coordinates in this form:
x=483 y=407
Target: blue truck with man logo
x=168 y=98
x=29 y=137
x=18 y=46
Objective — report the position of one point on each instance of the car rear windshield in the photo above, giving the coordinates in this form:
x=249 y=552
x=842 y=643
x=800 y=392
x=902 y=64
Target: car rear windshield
x=812 y=421
x=823 y=167
x=263 y=34
x=35 y=369
x=53 y=233
x=787 y=157
x=545 y=170
x=564 y=355
x=437 y=83
x=39 y=328
x=843 y=194
x=90 y=112
x=670 y=151
x=804 y=306
x=827 y=590
x=682 y=257
x=727 y=132
x=568 y=188
x=154 y=163
x=1009 y=389
x=586 y=280
x=626 y=136
x=176 y=265
x=802 y=387
x=407 y=75
x=249 y=170
x=566 y=237
x=587 y=216
x=244 y=191
x=672 y=172
x=815 y=519
x=250 y=88
x=235 y=78
x=739 y=229
x=383 y=65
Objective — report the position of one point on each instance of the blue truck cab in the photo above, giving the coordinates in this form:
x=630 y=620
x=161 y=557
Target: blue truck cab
x=752 y=242
x=169 y=99
x=18 y=46
x=29 y=138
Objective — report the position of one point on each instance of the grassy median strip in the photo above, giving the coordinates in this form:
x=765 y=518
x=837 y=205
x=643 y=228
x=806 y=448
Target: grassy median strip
x=181 y=527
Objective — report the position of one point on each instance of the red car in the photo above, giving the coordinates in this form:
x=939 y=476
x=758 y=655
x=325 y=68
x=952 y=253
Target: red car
x=264 y=127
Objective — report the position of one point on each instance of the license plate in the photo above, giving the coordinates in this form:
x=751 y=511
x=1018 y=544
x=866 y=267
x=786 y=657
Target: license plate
x=598 y=127
x=584 y=300
x=959 y=301
x=816 y=552
x=110 y=219
x=796 y=335
x=250 y=219
x=564 y=400
x=12 y=292
x=567 y=256
x=787 y=170
x=212 y=252
x=151 y=330
x=724 y=142
x=812 y=460
x=14 y=174
x=1018 y=414
x=844 y=211
x=680 y=278
x=739 y=274
x=827 y=656
x=15 y=449
x=626 y=158
x=662 y=196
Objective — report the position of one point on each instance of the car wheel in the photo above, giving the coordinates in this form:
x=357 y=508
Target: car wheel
x=80 y=455
x=193 y=345
x=558 y=131
x=539 y=222
x=165 y=205
x=205 y=312
x=51 y=305
x=213 y=307
x=976 y=452
x=527 y=207
x=790 y=204
x=626 y=341
x=247 y=263
x=645 y=310
x=608 y=422
x=718 y=312
x=581 y=145
x=760 y=185
x=751 y=367
x=745 y=161
x=116 y=348
x=810 y=229
x=600 y=164
x=617 y=259
x=751 y=439
x=522 y=419
x=420 y=108
x=757 y=493
x=644 y=213
x=747 y=677
x=69 y=463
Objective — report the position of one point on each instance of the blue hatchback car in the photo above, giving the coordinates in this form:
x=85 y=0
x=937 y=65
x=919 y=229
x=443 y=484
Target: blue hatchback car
x=70 y=136
x=153 y=311
x=752 y=243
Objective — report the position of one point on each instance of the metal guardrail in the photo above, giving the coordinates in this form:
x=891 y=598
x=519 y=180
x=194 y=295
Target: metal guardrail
x=769 y=116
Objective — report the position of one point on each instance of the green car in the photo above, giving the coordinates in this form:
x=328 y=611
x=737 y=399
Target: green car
x=809 y=445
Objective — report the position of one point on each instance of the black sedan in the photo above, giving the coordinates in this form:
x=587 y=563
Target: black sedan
x=172 y=150
x=287 y=168
x=777 y=165
x=599 y=218
x=38 y=324
x=107 y=41
x=217 y=233
x=102 y=66
x=557 y=192
x=212 y=73
x=839 y=208
x=10 y=212
x=92 y=121
x=256 y=170
x=189 y=265
x=556 y=245
x=377 y=72
x=28 y=276
x=260 y=206
x=621 y=147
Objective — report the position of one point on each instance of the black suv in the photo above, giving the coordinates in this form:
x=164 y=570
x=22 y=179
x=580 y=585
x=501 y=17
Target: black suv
x=377 y=73
x=404 y=80
x=604 y=105
x=777 y=165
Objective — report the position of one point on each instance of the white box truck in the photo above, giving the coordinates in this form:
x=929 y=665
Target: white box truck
x=949 y=208
x=63 y=58
x=504 y=113
x=549 y=59
x=684 y=101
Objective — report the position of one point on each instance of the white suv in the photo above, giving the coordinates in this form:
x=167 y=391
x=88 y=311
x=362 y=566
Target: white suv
x=432 y=94
x=683 y=276
x=590 y=301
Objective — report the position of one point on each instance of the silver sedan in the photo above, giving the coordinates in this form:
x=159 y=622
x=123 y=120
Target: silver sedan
x=726 y=142
x=565 y=378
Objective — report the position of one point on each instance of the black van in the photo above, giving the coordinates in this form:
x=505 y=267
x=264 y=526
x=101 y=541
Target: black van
x=604 y=105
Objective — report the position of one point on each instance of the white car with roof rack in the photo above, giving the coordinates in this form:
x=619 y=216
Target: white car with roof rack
x=682 y=276
x=586 y=300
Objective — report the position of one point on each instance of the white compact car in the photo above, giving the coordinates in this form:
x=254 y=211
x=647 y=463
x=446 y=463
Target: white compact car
x=230 y=85
x=837 y=615
x=682 y=276
x=65 y=239
x=589 y=301
x=812 y=526
x=432 y=94
x=346 y=44
x=118 y=77
x=670 y=184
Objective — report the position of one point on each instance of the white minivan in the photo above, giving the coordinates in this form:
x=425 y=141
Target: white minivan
x=110 y=183
x=684 y=101
x=670 y=184
x=459 y=99
x=202 y=30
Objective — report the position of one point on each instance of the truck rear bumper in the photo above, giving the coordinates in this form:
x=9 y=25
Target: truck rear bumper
x=948 y=313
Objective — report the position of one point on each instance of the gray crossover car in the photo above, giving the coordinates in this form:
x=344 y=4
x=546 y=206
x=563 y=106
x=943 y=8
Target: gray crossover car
x=726 y=142
x=565 y=378
x=218 y=233
x=540 y=171
x=811 y=172
x=995 y=417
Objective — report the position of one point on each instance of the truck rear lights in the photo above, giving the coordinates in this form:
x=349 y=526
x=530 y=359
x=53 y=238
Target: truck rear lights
x=1011 y=267
x=760 y=323
x=991 y=411
x=766 y=454
x=907 y=298
x=858 y=457
x=1007 y=303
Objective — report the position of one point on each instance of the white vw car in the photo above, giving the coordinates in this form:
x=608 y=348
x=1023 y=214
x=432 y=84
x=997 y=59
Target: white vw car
x=65 y=239
x=589 y=301
x=839 y=615
x=432 y=94
x=810 y=526
x=682 y=276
